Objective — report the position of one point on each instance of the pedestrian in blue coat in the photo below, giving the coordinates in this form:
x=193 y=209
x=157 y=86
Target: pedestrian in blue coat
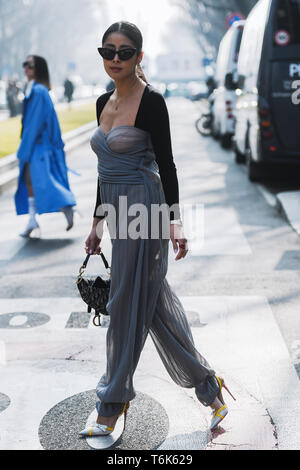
x=43 y=184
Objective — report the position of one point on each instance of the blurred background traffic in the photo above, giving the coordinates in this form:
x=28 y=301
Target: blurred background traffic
x=180 y=43
x=238 y=60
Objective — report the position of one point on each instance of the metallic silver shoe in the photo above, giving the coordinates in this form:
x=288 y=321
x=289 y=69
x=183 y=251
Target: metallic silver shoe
x=96 y=429
x=218 y=416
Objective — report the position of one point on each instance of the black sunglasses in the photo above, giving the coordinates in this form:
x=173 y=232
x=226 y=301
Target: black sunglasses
x=124 y=54
x=28 y=64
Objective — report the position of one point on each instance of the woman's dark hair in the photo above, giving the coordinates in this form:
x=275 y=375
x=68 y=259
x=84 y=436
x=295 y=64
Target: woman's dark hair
x=41 y=71
x=132 y=32
x=129 y=30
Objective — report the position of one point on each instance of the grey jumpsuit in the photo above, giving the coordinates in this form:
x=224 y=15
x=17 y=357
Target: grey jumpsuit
x=141 y=300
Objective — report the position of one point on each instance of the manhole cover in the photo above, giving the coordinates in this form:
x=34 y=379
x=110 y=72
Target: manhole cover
x=146 y=427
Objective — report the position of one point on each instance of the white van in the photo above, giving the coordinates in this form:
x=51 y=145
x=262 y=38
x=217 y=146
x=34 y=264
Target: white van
x=267 y=129
x=224 y=96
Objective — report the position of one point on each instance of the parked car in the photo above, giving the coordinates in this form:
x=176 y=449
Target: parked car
x=197 y=90
x=267 y=127
x=161 y=86
x=226 y=77
x=178 y=89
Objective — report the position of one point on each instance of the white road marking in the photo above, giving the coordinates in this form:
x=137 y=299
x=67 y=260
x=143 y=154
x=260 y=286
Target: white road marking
x=2 y=354
x=221 y=234
x=241 y=339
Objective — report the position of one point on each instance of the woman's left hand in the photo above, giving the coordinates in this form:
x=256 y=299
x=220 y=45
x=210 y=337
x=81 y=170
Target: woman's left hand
x=178 y=238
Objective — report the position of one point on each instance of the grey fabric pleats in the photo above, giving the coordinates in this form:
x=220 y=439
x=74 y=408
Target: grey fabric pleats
x=141 y=301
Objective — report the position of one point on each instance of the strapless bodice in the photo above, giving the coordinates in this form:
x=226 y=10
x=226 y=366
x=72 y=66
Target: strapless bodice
x=125 y=154
x=122 y=139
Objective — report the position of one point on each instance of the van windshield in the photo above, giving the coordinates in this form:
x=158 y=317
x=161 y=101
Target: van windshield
x=287 y=23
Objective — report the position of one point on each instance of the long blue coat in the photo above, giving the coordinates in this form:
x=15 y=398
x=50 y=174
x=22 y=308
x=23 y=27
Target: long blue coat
x=42 y=146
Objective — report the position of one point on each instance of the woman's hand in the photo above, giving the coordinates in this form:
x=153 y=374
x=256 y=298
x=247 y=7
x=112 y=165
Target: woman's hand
x=92 y=243
x=177 y=237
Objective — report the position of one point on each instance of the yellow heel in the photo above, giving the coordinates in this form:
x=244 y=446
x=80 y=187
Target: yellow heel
x=125 y=409
x=221 y=385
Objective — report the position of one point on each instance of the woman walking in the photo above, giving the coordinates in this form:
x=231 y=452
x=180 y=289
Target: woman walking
x=43 y=184
x=135 y=161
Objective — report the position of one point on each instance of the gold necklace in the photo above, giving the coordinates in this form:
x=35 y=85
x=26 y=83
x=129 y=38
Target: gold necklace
x=116 y=106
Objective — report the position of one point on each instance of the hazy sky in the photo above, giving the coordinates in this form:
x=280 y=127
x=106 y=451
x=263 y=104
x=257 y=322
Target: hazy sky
x=151 y=17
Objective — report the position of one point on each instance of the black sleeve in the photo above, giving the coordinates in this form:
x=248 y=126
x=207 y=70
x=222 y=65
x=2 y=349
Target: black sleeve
x=158 y=124
x=153 y=117
x=98 y=202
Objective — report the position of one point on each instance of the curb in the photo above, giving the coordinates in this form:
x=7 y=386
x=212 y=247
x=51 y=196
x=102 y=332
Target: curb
x=9 y=165
x=287 y=203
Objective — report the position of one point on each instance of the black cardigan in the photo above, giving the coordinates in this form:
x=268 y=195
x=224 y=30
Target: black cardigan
x=153 y=116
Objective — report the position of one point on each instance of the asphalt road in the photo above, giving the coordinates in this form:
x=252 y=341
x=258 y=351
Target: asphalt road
x=239 y=283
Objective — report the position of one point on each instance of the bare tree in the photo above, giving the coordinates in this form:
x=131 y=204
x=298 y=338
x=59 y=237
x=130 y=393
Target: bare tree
x=52 y=29
x=208 y=19
x=10 y=25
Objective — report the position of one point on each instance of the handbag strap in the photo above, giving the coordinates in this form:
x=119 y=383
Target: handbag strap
x=82 y=268
x=103 y=259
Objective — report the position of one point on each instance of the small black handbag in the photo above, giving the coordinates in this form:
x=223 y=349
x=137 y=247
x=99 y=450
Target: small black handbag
x=94 y=292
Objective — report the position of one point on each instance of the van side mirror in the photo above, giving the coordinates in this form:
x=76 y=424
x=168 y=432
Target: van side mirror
x=230 y=83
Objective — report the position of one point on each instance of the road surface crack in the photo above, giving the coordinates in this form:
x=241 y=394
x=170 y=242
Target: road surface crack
x=72 y=357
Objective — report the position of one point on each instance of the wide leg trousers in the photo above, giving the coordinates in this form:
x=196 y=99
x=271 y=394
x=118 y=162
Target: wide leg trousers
x=173 y=340
x=142 y=302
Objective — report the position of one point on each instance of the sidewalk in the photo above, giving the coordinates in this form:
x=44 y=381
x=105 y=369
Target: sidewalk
x=9 y=165
x=4 y=113
x=289 y=205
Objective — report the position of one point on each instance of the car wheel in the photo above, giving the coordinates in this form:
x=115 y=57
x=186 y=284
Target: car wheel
x=214 y=131
x=203 y=125
x=253 y=168
x=215 y=134
x=226 y=141
x=239 y=156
